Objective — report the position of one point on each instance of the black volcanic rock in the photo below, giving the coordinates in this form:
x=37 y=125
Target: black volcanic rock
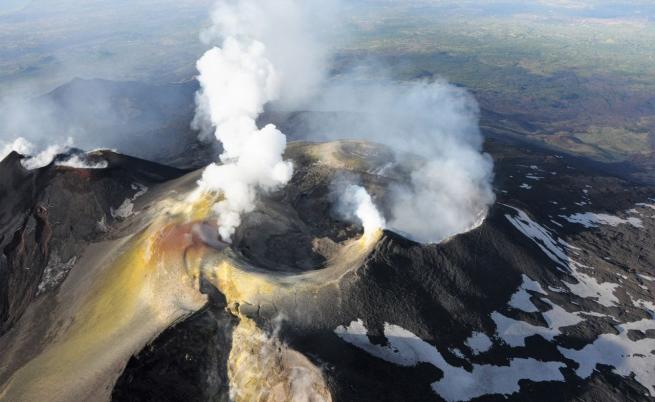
x=50 y=215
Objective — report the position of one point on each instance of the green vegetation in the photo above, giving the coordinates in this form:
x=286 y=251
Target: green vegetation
x=581 y=83
x=578 y=75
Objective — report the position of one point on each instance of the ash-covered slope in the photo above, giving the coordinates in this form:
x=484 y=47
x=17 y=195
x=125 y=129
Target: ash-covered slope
x=87 y=281
x=551 y=295
x=50 y=215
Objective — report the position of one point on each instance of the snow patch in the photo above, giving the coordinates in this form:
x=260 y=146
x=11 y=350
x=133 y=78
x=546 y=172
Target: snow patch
x=407 y=349
x=557 y=317
x=514 y=332
x=589 y=287
x=479 y=342
x=592 y=220
x=54 y=273
x=554 y=222
x=126 y=209
x=557 y=250
x=626 y=357
x=521 y=299
x=644 y=304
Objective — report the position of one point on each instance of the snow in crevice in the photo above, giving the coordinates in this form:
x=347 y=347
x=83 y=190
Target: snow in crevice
x=101 y=225
x=592 y=220
x=521 y=299
x=141 y=190
x=381 y=170
x=554 y=222
x=126 y=209
x=645 y=205
x=514 y=332
x=647 y=305
x=54 y=273
x=558 y=251
x=406 y=349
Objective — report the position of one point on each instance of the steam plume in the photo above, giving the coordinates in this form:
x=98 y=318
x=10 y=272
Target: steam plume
x=449 y=189
x=446 y=193
x=236 y=82
x=20 y=145
x=37 y=157
x=356 y=199
x=237 y=79
x=269 y=51
x=294 y=33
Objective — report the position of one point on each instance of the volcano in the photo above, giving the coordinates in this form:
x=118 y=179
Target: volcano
x=115 y=286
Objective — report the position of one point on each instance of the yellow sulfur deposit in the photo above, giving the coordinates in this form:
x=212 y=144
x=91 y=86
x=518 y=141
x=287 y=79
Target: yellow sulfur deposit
x=260 y=367
x=123 y=294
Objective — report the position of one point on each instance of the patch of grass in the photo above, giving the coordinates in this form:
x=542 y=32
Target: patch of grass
x=579 y=84
x=617 y=140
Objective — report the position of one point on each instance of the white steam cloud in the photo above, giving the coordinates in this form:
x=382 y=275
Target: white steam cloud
x=356 y=200
x=36 y=157
x=237 y=79
x=20 y=145
x=275 y=51
x=449 y=189
x=294 y=33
